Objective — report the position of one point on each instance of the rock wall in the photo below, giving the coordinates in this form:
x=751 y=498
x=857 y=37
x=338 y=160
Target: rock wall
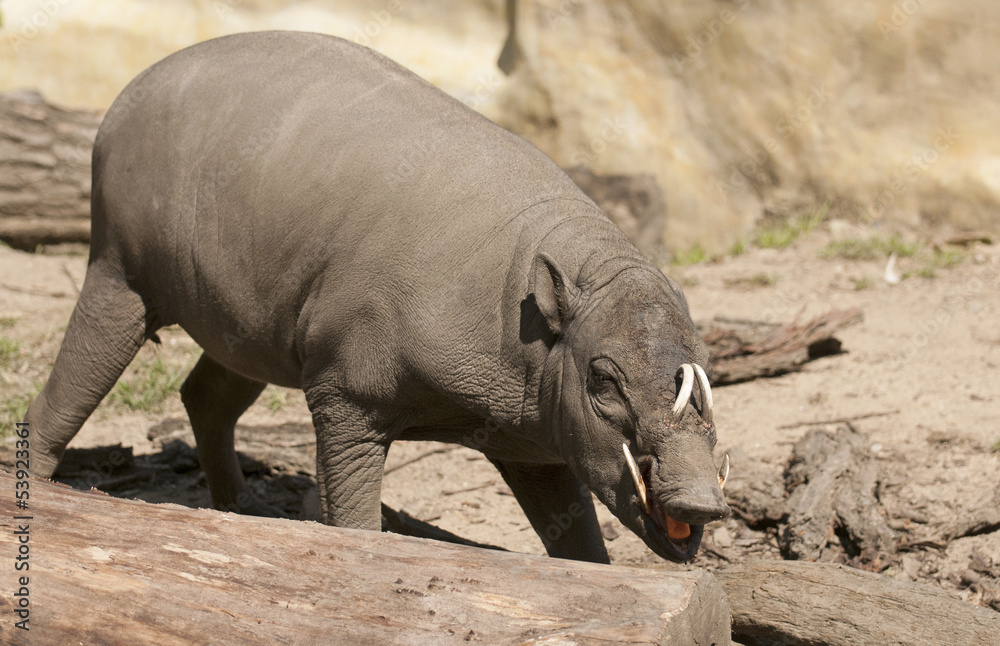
x=742 y=108
x=81 y=53
x=739 y=109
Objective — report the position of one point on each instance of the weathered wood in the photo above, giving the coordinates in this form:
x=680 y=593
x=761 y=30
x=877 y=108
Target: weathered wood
x=45 y=179
x=833 y=507
x=982 y=517
x=28 y=233
x=741 y=352
x=111 y=571
x=822 y=604
x=754 y=493
x=44 y=171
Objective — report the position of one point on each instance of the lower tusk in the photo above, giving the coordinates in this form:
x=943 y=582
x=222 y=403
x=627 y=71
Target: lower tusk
x=640 y=486
x=684 y=394
x=724 y=472
x=706 y=389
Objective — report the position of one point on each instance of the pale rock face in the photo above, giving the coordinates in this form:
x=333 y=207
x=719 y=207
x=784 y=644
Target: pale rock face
x=881 y=111
x=82 y=53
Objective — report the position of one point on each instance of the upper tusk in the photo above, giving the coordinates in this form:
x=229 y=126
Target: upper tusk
x=640 y=486
x=724 y=472
x=706 y=389
x=684 y=395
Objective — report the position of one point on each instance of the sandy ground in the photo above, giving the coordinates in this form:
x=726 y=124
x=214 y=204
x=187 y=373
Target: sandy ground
x=923 y=364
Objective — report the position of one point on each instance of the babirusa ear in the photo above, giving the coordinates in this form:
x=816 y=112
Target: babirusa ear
x=555 y=294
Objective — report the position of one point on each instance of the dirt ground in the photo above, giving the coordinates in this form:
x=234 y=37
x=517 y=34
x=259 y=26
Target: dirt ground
x=918 y=376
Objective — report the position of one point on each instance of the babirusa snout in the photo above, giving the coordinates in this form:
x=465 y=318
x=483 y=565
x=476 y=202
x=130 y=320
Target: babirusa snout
x=698 y=503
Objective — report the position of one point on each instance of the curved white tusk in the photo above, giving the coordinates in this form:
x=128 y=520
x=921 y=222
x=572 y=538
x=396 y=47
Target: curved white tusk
x=640 y=486
x=707 y=392
x=724 y=472
x=684 y=394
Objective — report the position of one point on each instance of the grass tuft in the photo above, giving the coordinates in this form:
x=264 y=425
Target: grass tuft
x=871 y=248
x=946 y=258
x=147 y=387
x=782 y=234
x=9 y=349
x=13 y=409
x=276 y=399
x=692 y=256
x=863 y=283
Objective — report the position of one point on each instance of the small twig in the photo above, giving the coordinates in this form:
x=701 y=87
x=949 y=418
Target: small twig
x=442 y=449
x=730 y=320
x=920 y=545
x=472 y=488
x=72 y=281
x=717 y=553
x=839 y=420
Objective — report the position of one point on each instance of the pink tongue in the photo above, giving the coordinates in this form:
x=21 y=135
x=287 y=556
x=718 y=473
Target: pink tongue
x=676 y=529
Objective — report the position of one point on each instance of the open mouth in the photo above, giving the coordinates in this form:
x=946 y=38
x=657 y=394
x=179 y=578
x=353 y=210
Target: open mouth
x=681 y=539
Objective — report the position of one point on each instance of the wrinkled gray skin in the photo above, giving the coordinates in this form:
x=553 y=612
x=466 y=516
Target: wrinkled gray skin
x=317 y=217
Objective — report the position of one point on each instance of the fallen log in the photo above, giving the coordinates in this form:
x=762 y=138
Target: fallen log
x=823 y=604
x=44 y=171
x=741 y=351
x=45 y=180
x=26 y=233
x=981 y=518
x=107 y=570
x=754 y=493
x=833 y=507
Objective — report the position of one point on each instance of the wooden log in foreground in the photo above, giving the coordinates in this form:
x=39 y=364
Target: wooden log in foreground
x=822 y=604
x=109 y=571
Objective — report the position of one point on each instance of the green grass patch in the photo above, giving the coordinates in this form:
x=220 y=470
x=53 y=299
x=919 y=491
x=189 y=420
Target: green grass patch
x=691 y=256
x=275 y=399
x=148 y=385
x=14 y=408
x=863 y=283
x=996 y=447
x=871 y=248
x=946 y=258
x=7 y=322
x=9 y=349
x=739 y=248
x=781 y=234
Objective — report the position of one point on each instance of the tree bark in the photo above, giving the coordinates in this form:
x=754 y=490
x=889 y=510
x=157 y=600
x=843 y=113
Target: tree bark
x=822 y=604
x=107 y=570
